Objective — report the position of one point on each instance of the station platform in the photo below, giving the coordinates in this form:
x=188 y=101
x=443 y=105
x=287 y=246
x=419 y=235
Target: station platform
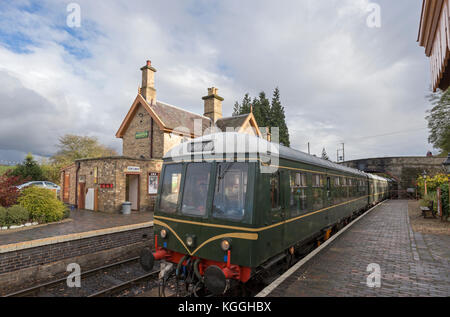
x=37 y=254
x=411 y=263
x=79 y=222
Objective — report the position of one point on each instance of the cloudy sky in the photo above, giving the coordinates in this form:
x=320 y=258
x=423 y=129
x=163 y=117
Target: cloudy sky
x=340 y=80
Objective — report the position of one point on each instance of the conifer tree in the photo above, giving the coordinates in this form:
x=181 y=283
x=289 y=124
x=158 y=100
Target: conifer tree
x=29 y=169
x=278 y=118
x=246 y=104
x=266 y=114
x=236 y=109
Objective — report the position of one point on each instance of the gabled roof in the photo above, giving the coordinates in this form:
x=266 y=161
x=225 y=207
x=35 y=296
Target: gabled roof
x=238 y=122
x=169 y=118
x=175 y=118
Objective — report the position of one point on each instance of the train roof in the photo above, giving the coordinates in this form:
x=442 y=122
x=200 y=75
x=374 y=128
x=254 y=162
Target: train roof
x=241 y=144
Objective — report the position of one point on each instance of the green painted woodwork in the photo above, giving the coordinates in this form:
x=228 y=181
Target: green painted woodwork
x=325 y=208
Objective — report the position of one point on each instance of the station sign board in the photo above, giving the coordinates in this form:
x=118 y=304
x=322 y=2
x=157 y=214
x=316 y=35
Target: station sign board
x=141 y=135
x=133 y=169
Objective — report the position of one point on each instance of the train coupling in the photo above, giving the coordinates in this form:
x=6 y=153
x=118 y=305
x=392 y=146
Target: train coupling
x=166 y=269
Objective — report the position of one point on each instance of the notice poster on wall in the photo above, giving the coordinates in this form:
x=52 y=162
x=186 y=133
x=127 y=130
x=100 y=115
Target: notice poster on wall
x=153 y=183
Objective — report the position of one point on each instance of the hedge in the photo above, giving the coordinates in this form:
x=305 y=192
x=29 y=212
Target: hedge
x=14 y=215
x=42 y=204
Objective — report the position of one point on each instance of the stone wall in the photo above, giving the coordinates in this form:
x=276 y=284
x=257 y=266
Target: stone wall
x=404 y=169
x=140 y=148
x=113 y=170
x=171 y=140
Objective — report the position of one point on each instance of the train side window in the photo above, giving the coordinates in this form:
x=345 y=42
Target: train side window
x=275 y=190
x=298 y=193
x=336 y=181
x=317 y=180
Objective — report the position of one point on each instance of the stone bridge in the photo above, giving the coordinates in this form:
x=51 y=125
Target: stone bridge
x=403 y=169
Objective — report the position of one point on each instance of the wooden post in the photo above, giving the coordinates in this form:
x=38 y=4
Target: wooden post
x=439 y=203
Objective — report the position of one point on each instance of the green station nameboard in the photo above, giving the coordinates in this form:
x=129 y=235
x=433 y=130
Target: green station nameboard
x=142 y=135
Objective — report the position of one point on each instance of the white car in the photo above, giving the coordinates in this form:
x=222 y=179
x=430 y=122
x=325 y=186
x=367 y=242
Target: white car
x=43 y=184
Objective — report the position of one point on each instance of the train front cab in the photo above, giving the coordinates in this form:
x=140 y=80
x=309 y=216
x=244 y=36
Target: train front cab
x=204 y=220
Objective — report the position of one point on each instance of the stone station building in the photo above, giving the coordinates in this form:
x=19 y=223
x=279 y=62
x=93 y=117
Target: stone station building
x=149 y=130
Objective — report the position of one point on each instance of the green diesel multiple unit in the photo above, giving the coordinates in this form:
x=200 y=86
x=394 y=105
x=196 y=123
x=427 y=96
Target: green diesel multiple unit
x=231 y=204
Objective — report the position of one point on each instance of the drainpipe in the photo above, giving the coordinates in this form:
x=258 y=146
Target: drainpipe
x=76 y=184
x=151 y=137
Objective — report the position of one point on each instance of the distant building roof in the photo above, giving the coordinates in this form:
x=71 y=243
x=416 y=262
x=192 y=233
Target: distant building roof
x=233 y=122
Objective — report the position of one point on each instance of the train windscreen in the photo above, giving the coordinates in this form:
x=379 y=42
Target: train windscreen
x=196 y=189
x=230 y=191
x=170 y=188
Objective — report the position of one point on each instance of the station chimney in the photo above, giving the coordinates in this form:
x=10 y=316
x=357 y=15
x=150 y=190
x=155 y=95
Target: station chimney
x=148 y=90
x=213 y=104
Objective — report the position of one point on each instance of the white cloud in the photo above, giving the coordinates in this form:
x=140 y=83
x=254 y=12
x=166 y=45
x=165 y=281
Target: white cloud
x=338 y=78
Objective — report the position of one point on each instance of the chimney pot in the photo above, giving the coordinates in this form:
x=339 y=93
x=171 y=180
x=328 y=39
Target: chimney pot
x=149 y=63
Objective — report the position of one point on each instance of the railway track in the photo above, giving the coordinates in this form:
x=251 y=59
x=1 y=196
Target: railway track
x=114 y=279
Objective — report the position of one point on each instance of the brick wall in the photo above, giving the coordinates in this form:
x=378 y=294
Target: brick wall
x=22 y=259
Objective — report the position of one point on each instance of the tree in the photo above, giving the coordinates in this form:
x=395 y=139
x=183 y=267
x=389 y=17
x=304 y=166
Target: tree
x=29 y=169
x=266 y=114
x=439 y=121
x=8 y=190
x=246 y=104
x=325 y=155
x=73 y=147
x=50 y=172
x=278 y=119
x=236 y=109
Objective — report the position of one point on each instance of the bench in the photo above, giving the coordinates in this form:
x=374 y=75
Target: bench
x=428 y=212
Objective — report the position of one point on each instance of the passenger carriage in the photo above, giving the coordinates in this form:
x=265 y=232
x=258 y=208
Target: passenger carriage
x=230 y=205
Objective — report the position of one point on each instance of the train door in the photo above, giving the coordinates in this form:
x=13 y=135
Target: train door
x=329 y=197
x=278 y=210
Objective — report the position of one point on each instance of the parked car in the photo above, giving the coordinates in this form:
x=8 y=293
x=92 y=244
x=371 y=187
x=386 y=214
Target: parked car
x=43 y=184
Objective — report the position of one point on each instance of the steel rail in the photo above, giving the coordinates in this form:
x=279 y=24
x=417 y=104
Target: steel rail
x=123 y=286
x=37 y=288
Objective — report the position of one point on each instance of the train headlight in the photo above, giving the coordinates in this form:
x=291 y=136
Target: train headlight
x=225 y=244
x=190 y=241
x=163 y=233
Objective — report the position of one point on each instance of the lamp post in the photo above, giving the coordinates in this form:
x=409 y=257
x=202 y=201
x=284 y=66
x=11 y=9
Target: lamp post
x=446 y=165
x=424 y=175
